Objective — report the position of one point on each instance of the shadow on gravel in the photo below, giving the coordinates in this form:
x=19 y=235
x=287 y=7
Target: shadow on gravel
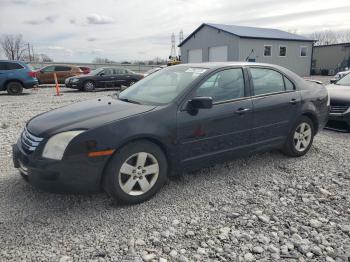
x=23 y=94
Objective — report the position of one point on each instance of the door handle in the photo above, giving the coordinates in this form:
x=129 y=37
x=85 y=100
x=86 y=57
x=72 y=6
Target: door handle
x=241 y=111
x=293 y=101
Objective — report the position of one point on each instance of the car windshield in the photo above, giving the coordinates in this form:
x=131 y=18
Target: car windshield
x=163 y=86
x=96 y=71
x=345 y=81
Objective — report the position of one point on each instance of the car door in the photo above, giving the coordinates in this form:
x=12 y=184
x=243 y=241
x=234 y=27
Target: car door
x=45 y=75
x=62 y=72
x=223 y=129
x=3 y=75
x=122 y=76
x=107 y=77
x=276 y=104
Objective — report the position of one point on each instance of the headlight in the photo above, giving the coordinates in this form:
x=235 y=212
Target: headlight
x=75 y=80
x=328 y=99
x=55 y=147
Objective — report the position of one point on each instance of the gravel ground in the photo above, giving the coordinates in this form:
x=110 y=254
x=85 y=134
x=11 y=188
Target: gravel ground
x=261 y=208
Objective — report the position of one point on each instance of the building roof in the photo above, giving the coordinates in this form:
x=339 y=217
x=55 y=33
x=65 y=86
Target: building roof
x=252 y=32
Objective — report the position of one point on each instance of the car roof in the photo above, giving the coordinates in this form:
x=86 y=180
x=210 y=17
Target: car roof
x=214 y=65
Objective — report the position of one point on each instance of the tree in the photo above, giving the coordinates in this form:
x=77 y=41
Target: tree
x=328 y=37
x=13 y=46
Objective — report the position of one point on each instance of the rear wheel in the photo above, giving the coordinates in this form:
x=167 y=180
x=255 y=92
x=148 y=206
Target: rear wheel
x=89 y=86
x=136 y=172
x=14 y=88
x=301 y=138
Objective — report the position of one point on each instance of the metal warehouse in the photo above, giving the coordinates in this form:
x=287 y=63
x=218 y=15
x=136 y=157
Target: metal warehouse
x=330 y=59
x=217 y=43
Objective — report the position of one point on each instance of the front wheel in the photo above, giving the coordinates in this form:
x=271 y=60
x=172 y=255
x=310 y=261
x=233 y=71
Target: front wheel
x=300 y=139
x=136 y=172
x=89 y=86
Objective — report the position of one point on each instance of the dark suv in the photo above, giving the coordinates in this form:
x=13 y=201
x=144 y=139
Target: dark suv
x=16 y=75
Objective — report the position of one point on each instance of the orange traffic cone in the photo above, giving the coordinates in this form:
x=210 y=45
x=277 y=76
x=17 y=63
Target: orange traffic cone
x=57 y=85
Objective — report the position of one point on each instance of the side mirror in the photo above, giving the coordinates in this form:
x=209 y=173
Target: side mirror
x=200 y=102
x=102 y=74
x=333 y=81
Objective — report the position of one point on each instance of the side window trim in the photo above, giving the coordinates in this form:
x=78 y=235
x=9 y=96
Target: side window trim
x=251 y=83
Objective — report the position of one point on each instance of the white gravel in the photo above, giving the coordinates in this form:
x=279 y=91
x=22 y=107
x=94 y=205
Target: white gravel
x=259 y=208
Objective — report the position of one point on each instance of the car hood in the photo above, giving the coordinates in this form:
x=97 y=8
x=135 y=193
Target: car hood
x=84 y=115
x=339 y=95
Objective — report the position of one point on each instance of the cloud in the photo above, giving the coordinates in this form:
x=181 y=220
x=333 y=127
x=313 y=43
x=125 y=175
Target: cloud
x=96 y=19
x=47 y=20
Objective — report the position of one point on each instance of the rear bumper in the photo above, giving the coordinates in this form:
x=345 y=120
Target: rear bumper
x=79 y=175
x=30 y=84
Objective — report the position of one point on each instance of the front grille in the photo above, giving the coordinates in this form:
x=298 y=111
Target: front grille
x=29 y=141
x=339 y=109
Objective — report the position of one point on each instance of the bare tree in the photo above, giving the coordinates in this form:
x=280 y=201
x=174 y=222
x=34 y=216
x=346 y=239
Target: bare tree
x=329 y=37
x=13 y=46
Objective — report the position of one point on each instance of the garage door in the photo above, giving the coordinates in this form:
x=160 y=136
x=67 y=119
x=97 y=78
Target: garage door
x=195 y=56
x=218 y=54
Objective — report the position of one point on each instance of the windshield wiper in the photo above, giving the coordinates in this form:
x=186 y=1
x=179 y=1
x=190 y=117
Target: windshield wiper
x=129 y=100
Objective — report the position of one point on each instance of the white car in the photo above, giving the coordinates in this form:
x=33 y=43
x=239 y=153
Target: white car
x=339 y=76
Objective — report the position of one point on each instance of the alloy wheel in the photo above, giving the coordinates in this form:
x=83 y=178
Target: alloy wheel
x=138 y=173
x=302 y=137
x=89 y=86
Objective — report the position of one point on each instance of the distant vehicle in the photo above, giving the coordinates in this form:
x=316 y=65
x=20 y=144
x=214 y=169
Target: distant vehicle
x=340 y=101
x=339 y=76
x=153 y=70
x=104 y=77
x=16 y=75
x=86 y=70
x=46 y=74
x=182 y=118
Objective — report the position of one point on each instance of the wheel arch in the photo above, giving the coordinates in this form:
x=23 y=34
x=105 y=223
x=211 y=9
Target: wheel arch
x=313 y=118
x=12 y=80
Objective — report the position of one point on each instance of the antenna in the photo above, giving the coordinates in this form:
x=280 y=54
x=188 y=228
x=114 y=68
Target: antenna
x=181 y=39
x=173 y=49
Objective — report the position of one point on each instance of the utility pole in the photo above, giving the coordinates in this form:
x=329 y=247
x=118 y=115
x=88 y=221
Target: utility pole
x=30 y=58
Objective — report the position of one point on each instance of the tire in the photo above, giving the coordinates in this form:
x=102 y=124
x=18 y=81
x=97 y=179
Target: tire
x=135 y=186
x=14 y=88
x=300 y=138
x=89 y=86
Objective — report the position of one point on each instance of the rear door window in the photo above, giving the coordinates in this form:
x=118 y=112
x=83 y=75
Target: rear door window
x=266 y=81
x=12 y=66
x=3 y=66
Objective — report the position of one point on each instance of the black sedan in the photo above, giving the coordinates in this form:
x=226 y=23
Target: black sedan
x=104 y=77
x=181 y=118
x=339 y=116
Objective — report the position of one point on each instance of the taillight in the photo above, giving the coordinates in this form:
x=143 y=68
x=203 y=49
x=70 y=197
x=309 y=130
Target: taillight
x=32 y=74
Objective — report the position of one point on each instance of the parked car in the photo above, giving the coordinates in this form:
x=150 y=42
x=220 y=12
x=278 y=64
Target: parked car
x=340 y=101
x=46 y=74
x=182 y=118
x=86 y=70
x=104 y=77
x=339 y=76
x=16 y=75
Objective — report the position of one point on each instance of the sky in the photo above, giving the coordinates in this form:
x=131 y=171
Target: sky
x=79 y=31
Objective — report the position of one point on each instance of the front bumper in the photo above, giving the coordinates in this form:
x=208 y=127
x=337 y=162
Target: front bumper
x=78 y=174
x=70 y=84
x=340 y=117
